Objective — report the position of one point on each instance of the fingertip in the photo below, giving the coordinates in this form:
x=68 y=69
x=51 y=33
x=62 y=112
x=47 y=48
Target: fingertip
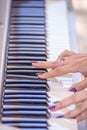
x=41 y=76
x=73 y=90
x=34 y=63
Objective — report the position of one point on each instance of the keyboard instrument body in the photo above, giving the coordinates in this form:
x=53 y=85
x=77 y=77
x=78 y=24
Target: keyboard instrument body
x=61 y=35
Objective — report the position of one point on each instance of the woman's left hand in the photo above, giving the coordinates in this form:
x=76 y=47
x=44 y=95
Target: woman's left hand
x=80 y=100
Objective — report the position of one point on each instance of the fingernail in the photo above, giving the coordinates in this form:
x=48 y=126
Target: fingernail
x=39 y=73
x=34 y=62
x=73 y=90
x=60 y=116
x=51 y=107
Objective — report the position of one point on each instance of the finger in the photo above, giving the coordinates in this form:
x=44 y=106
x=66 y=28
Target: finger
x=66 y=53
x=82 y=116
x=80 y=86
x=59 y=71
x=74 y=99
x=45 y=64
x=77 y=111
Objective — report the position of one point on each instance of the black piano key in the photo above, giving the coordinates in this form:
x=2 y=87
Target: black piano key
x=28 y=86
x=39 y=12
x=43 y=101
x=25 y=102
x=24 y=112
x=31 y=22
x=35 y=128
x=26 y=58
x=19 y=92
x=29 y=125
x=22 y=96
x=26 y=53
x=30 y=3
x=27 y=45
x=25 y=72
x=19 y=76
x=23 y=67
x=31 y=107
x=27 y=40
x=15 y=119
x=27 y=49
x=31 y=41
x=24 y=61
x=15 y=80
x=18 y=29
x=27 y=19
x=27 y=27
x=24 y=34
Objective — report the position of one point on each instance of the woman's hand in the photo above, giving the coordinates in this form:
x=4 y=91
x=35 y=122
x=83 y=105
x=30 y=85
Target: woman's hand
x=80 y=99
x=73 y=62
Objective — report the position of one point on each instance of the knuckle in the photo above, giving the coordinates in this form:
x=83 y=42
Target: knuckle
x=85 y=93
x=66 y=51
x=61 y=104
x=74 y=98
x=70 y=114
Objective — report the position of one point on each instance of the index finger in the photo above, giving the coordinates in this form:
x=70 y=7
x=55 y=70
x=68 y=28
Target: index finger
x=59 y=71
x=74 y=99
x=45 y=64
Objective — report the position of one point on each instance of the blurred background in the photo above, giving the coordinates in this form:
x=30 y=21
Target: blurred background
x=80 y=7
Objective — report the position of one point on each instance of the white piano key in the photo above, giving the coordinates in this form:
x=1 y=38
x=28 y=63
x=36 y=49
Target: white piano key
x=56 y=96
x=63 y=124
x=57 y=28
x=4 y=127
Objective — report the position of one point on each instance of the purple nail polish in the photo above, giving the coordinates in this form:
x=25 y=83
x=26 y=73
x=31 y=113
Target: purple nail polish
x=60 y=116
x=51 y=107
x=73 y=90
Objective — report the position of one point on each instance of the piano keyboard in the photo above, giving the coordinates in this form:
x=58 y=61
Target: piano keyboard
x=30 y=35
x=25 y=96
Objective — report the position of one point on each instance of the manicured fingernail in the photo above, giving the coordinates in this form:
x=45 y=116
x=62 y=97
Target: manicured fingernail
x=73 y=90
x=51 y=107
x=39 y=73
x=61 y=116
x=34 y=62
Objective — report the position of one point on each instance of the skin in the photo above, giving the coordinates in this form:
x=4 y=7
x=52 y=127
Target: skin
x=73 y=62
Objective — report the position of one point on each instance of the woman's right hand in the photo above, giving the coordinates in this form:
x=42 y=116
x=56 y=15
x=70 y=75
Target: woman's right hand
x=73 y=63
